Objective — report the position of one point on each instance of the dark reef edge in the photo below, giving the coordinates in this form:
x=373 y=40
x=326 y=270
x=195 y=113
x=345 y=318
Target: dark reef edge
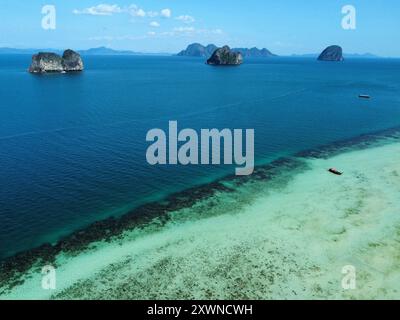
x=12 y=268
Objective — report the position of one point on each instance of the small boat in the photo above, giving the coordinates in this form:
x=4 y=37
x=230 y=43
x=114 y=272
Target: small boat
x=364 y=96
x=334 y=171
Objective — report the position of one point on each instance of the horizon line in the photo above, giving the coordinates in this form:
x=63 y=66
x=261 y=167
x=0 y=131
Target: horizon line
x=175 y=53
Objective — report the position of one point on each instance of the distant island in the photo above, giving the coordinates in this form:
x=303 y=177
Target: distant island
x=198 y=50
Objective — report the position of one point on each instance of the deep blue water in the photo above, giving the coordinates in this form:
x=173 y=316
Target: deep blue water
x=72 y=147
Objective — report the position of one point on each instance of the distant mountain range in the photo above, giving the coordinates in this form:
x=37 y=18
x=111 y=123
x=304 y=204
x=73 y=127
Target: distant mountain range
x=101 y=51
x=104 y=51
x=255 y=52
x=198 y=50
x=26 y=51
x=193 y=50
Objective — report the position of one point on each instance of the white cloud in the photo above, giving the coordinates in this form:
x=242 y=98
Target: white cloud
x=140 y=13
x=184 y=29
x=217 y=31
x=100 y=10
x=167 y=33
x=135 y=11
x=110 y=9
x=154 y=24
x=153 y=14
x=166 y=13
x=185 y=19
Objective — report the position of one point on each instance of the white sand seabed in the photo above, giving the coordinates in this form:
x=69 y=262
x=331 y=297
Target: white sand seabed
x=288 y=243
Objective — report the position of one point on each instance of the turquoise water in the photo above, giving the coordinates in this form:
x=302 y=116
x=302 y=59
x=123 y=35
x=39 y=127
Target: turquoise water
x=73 y=146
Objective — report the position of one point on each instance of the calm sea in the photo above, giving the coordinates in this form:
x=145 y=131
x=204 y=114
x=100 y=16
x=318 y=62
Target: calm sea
x=72 y=147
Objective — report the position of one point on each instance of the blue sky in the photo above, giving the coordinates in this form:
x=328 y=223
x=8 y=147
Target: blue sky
x=284 y=27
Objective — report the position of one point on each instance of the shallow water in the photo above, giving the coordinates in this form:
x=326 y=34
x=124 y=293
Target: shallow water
x=284 y=237
x=73 y=146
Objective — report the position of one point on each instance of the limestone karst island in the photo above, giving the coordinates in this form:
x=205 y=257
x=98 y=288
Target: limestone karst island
x=47 y=62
